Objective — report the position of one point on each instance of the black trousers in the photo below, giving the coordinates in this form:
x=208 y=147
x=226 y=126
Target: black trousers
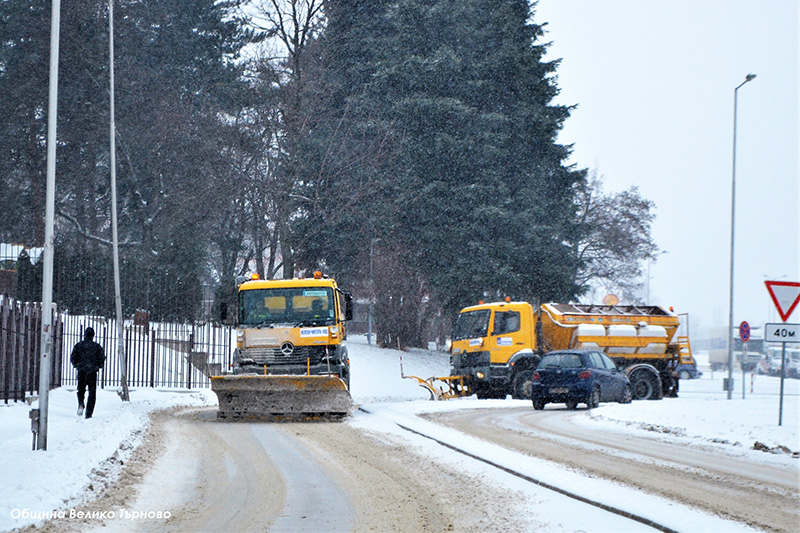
x=87 y=379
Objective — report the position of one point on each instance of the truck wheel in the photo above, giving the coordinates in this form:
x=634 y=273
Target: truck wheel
x=538 y=404
x=594 y=398
x=521 y=385
x=645 y=386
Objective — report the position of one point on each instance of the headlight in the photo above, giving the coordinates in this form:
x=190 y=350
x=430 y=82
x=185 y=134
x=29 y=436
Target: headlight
x=480 y=375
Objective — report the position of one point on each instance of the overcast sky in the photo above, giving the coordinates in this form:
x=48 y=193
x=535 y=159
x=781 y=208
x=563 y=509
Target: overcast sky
x=654 y=84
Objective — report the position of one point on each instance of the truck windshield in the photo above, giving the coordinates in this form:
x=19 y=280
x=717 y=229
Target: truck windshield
x=472 y=324
x=295 y=306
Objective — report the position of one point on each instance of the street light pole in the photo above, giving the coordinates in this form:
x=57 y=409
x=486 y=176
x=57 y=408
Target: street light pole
x=123 y=360
x=49 y=231
x=749 y=77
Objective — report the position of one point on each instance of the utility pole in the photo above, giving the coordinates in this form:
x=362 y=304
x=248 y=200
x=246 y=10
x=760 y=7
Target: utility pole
x=729 y=384
x=123 y=360
x=50 y=202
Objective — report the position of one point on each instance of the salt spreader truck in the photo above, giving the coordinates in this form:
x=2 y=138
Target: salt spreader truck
x=290 y=361
x=496 y=346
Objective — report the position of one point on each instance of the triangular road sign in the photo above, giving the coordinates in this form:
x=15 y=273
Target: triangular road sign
x=786 y=295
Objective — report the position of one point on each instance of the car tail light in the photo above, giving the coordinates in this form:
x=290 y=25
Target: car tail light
x=585 y=374
x=537 y=377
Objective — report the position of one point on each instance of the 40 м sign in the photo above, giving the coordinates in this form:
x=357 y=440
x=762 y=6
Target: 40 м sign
x=782 y=332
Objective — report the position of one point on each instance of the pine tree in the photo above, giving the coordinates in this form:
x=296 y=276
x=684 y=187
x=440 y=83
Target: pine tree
x=176 y=84
x=24 y=63
x=472 y=186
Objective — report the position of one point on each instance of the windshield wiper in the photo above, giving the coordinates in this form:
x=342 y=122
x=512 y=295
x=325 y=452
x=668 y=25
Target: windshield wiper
x=313 y=322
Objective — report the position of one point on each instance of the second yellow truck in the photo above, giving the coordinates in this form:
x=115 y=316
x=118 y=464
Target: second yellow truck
x=496 y=346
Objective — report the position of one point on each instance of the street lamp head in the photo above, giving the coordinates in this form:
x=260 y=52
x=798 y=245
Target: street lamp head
x=750 y=77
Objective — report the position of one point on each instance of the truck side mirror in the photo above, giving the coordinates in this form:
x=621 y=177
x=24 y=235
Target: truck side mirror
x=348 y=306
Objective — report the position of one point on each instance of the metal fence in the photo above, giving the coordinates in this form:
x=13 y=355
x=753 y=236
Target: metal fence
x=158 y=354
x=20 y=349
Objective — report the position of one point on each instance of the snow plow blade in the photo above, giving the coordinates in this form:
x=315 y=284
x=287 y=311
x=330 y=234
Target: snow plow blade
x=279 y=398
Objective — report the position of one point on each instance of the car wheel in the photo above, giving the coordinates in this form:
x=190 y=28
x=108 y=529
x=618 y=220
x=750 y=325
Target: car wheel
x=538 y=404
x=684 y=374
x=594 y=398
x=521 y=385
x=571 y=404
x=627 y=395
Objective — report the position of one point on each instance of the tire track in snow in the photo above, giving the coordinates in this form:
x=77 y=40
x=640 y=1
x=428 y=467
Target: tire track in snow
x=548 y=486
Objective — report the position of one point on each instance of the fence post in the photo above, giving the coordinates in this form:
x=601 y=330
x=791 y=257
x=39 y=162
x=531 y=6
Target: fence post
x=127 y=349
x=21 y=324
x=152 y=332
x=189 y=359
x=5 y=347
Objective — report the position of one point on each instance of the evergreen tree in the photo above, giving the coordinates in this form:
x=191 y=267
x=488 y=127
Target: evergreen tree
x=24 y=63
x=470 y=182
x=176 y=87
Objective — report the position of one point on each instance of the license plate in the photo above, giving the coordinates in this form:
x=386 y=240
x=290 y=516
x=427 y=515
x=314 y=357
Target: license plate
x=559 y=390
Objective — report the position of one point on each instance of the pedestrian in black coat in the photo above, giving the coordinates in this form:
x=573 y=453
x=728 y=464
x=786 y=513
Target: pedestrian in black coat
x=87 y=358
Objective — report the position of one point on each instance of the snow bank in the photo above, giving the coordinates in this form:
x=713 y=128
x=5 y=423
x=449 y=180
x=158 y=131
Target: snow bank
x=81 y=454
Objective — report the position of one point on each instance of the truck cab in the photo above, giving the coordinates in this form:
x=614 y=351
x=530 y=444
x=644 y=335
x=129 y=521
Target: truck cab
x=293 y=326
x=492 y=347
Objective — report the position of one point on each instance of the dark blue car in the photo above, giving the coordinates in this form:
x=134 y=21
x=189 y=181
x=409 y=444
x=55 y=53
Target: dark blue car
x=579 y=376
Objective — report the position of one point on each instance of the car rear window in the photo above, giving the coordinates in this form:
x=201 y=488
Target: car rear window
x=562 y=360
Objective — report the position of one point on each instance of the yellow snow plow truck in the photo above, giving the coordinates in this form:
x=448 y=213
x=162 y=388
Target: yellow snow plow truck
x=290 y=362
x=496 y=346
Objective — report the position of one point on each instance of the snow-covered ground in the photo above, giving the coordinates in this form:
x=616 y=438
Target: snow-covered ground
x=83 y=454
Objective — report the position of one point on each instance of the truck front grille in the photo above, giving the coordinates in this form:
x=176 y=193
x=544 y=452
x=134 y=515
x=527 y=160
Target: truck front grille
x=470 y=359
x=277 y=356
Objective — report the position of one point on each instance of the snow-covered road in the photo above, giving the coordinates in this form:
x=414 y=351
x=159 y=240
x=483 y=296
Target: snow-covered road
x=394 y=480
x=223 y=476
x=705 y=476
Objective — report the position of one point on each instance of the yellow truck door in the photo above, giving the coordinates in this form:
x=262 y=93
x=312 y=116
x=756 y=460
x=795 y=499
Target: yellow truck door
x=510 y=331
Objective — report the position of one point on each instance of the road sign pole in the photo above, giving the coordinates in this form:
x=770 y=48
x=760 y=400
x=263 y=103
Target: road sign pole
x=744 y=366
x=783 y=333
x=783 y=372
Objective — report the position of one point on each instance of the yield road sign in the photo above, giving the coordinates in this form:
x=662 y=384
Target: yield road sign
x=786 y=295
